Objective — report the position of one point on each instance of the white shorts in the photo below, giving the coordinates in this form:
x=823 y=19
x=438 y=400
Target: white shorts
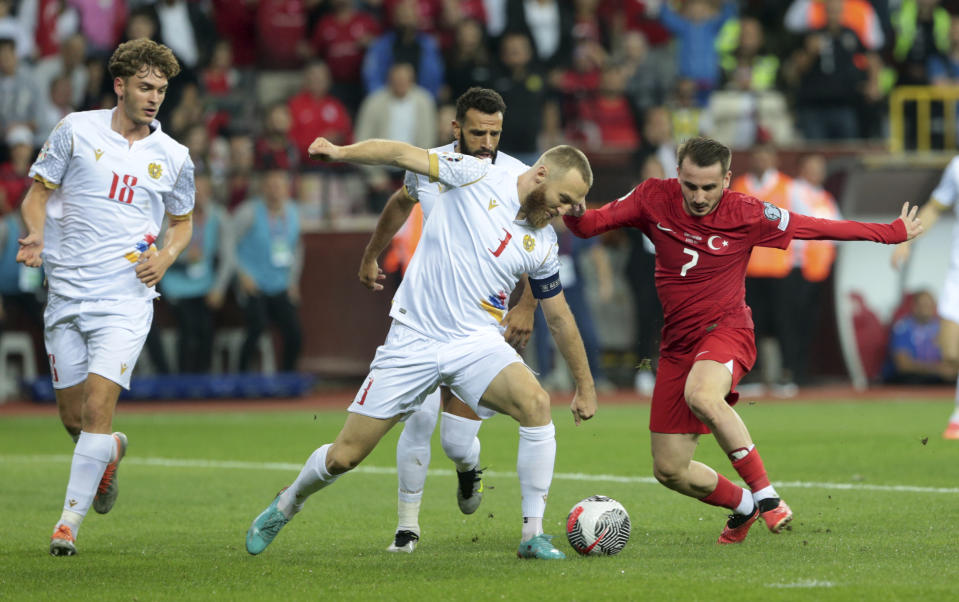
x=409 y=366
x=949 y=299
x=102 y=337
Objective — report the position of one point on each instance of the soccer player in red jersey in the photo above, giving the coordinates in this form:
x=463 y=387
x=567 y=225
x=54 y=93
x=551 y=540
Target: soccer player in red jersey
x=703 y=235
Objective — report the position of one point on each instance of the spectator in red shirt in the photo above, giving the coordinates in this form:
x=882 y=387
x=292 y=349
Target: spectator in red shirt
x=236 y=22
x=315 y=112
x=280 y=32
x=275 y=146
x=14 y=176
x=607 y=118
x=341 y=38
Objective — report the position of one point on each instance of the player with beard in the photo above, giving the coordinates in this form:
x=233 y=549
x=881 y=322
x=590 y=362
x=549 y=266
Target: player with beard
x=704 y=235
x=487 y=228
x=477 y=127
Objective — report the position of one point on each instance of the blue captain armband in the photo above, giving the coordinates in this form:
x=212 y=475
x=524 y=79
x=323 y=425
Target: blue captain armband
x=547 y=287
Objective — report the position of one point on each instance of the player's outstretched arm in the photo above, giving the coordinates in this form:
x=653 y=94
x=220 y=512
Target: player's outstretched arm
x=392 y=218
x=374 y=152
x=563 y=327
x=905 y=227
x=928 y=216
x=519 y=319
x=153 y=264
x=33 y=211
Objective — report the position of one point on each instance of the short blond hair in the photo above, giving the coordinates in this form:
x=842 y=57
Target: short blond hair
x=567 y=157
x=131 y=57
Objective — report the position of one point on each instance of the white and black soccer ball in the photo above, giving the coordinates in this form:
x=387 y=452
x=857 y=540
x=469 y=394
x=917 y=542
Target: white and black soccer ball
x=598 y=526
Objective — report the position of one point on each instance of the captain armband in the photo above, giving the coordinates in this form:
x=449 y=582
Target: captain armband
x=547 y=287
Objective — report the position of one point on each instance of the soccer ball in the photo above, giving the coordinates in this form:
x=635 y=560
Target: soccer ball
x=598 y=526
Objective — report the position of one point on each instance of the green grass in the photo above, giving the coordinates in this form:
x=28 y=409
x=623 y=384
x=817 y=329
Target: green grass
x=177 y=530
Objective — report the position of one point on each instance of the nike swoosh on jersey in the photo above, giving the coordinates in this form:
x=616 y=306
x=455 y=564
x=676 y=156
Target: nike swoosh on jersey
x=701 y=352
x=663 y=228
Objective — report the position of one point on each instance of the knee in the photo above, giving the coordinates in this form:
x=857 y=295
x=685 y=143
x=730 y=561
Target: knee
x=341 y=458
x=704 y=405
x=669 y=474
x=535 y=409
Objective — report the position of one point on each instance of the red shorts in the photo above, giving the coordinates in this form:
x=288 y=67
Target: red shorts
x=734 y=347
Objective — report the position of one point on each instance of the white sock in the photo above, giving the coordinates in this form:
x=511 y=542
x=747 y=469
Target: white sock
x=765 y=493
x=532 y=526
x=413 y=451
x=458 y=436
x=746 y=504
x=90 y=458
x=408 y=514
x=534 y=465
x=313 y=477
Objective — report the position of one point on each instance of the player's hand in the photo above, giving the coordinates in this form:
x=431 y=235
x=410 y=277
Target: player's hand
x=370 y=274
x=28 y=254
x=584 y=403
x=323 y=150
x=519 y=325
x=577 y=210
x=152 y=265
x=900 y=255
x=910 y=219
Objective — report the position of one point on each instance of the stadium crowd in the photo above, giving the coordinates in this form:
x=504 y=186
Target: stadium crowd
x=262 y=78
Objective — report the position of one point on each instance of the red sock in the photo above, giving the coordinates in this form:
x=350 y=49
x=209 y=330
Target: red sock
x=727 y=494
x=751 y=469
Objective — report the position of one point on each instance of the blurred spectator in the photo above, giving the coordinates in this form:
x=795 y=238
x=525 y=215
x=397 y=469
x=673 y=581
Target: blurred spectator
x=577 y=256
x=190 y=109
x=228 y=91
x=626 y=16
x=315 y=112
x=533 y=114
x=187 y=29
x=922 y=33
x=57 y=104
x=102 y=23
x=195 y=285
x=98 y=93
x=548 y=24
x=811 y=264
x=650 y=78
x=400 y=111
x=428 y=14
x=197 y=139
x=657 y=142
x=468 y=61
x=766 y=289
x=68 y=62
x=944 y=69
x=13 y=27
x=697 y=29
x=18 y=95
x=242 y=162
x=404 y=43
x=341 y=38
x=50 y=22
x=588 y=25
x=915 y=357
x=830 y=74
x=857 y=15
x=235 y=21
x=640 y=273
x=20 y=286
x=275 y=145
x=687 y=116
x=749 y=109
x=14 y=173
x=580 y=82
x=453 y=14
x=269 y=264
x=606 y=119
x=280 y=33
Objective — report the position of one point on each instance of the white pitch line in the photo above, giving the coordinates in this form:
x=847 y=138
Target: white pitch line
x=562 y=476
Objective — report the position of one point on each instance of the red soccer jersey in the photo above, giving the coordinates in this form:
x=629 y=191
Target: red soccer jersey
x=342 y=44
x=701 y=261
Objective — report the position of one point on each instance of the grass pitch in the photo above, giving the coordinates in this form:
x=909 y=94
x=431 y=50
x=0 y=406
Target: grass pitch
x=874 y=488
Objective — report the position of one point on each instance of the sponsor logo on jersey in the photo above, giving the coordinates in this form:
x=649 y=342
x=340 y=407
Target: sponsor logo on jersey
x=155 y=170
x=123 y=368
x=529 y=243
x=493 y=203
x=98 y=153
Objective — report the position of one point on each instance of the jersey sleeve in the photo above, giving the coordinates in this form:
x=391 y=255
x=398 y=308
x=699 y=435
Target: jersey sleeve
x=411 y=182
x=54 y=158
x=627 y=210
x=179 y=201
x=544 y=280
x=948 y=188
x=771 y=226
x=456 y=170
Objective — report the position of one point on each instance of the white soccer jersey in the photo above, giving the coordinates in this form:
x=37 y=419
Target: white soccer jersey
x=428 y=191
x=472 y=252
x=947 y=193
x=108 y=203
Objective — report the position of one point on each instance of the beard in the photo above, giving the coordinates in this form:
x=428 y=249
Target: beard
x=462 y=148
x=537 y=214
